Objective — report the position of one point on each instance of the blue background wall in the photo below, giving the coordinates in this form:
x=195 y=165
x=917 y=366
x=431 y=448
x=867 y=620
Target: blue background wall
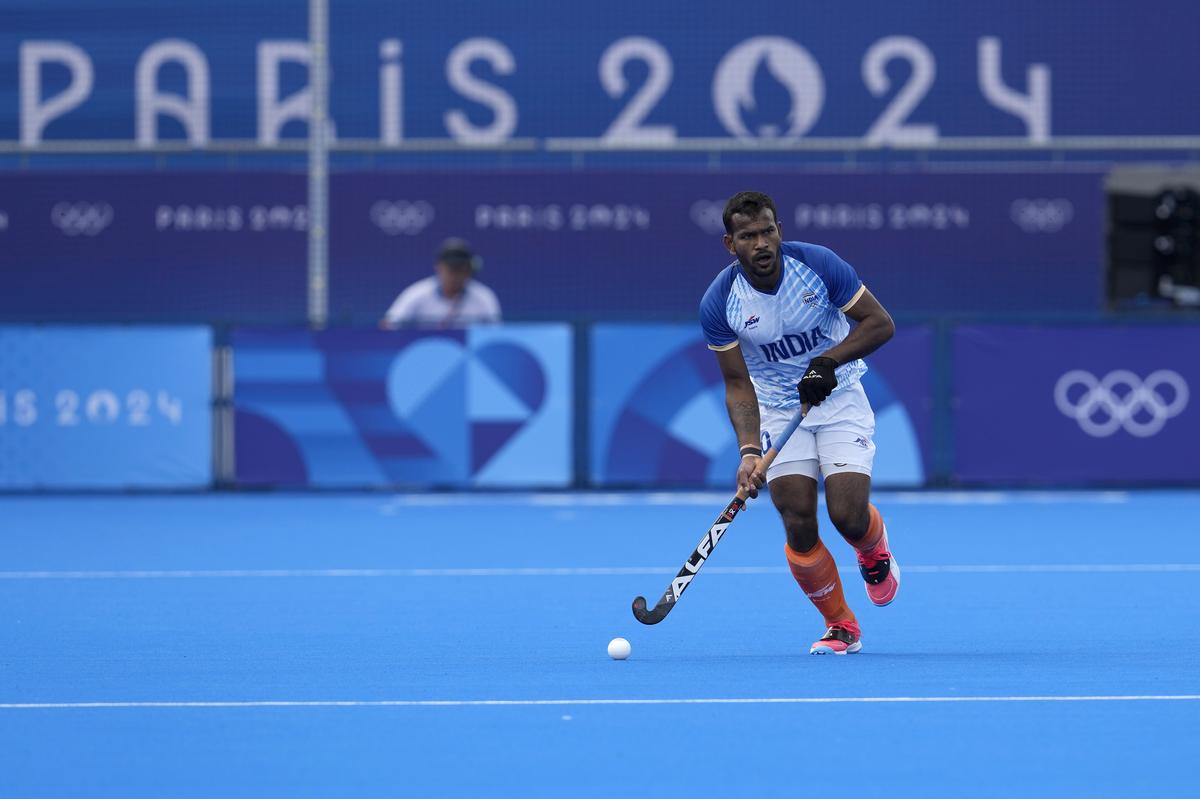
x=634 y=245
x=550 y=75
x=603 y=141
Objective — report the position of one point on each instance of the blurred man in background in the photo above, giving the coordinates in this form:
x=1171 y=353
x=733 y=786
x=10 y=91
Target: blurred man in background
x=451 y=297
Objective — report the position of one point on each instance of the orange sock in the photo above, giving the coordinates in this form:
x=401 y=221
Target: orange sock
x=817 y=574
x=874 y=531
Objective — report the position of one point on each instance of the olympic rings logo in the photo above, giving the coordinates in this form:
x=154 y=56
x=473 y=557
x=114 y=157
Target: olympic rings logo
x=707 y=216
x=395 y=218
x=1041 y=215
x=1121 y=400
x=81 y=219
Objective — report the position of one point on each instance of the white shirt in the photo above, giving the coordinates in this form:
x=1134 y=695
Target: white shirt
x=780 y=331
x=423 y=304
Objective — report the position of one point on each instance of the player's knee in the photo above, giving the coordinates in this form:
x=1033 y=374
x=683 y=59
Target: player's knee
x=801 y=530
x=850 y=519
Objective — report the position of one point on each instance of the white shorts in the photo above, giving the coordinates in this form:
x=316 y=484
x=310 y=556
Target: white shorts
x=834 y=437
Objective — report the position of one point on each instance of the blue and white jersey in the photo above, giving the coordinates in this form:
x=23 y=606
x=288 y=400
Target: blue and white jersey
x=780 y=331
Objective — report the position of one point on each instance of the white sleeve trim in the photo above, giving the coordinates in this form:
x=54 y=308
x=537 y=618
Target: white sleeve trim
x=724 y=347
x=857 y=295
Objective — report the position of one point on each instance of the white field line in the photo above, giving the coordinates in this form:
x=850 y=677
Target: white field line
x=773 y=700
x=582 y=571
x=718 y=500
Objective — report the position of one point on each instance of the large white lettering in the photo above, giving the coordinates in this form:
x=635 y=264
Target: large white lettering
x=627 y=128
x=765 y=87
x=892 y=127
x=1034 y=108
x=391 y=92
x=789 y=64
x=501 y=103
x=36 y=114
x=191 y=111
x=273 y=111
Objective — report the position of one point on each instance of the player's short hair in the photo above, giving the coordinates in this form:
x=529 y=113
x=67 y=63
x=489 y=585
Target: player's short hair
x=747 y=203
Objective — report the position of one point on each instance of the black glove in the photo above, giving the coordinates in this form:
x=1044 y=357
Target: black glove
x=819 y=381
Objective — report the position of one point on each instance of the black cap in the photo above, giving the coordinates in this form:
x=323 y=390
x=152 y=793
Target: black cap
x=457 y=252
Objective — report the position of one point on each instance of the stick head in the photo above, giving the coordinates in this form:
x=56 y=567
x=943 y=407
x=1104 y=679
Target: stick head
x=654 y=616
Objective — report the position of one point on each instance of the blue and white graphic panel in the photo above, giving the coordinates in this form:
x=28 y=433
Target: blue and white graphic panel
x=105 y=407
x=487 y=406
x=658 y=414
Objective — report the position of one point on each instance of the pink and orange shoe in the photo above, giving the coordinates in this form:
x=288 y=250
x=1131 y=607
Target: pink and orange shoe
x=842 y=638
x=880 y=571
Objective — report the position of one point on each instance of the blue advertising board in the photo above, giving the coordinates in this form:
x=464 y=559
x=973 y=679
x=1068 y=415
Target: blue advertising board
x=153 y=247
x=626 y=71
x=632 y=245
x=1062 y=404
x=100 y=407
x=638 y=244
x=485 y=406
x=658 y=414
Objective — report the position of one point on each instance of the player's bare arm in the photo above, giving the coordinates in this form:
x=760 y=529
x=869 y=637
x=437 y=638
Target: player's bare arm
x=873 y=327
x=742 y=404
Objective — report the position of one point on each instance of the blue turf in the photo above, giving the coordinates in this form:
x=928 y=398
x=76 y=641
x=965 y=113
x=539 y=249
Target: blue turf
x=88 y=638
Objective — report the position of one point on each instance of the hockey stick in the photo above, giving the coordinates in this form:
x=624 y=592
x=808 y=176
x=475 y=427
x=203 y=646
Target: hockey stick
x=709 y=542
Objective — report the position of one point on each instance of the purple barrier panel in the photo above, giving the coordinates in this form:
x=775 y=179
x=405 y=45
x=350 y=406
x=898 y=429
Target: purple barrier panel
x=633 y=245
x=646 y=245
x=1071 y=404
x=152 y=246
